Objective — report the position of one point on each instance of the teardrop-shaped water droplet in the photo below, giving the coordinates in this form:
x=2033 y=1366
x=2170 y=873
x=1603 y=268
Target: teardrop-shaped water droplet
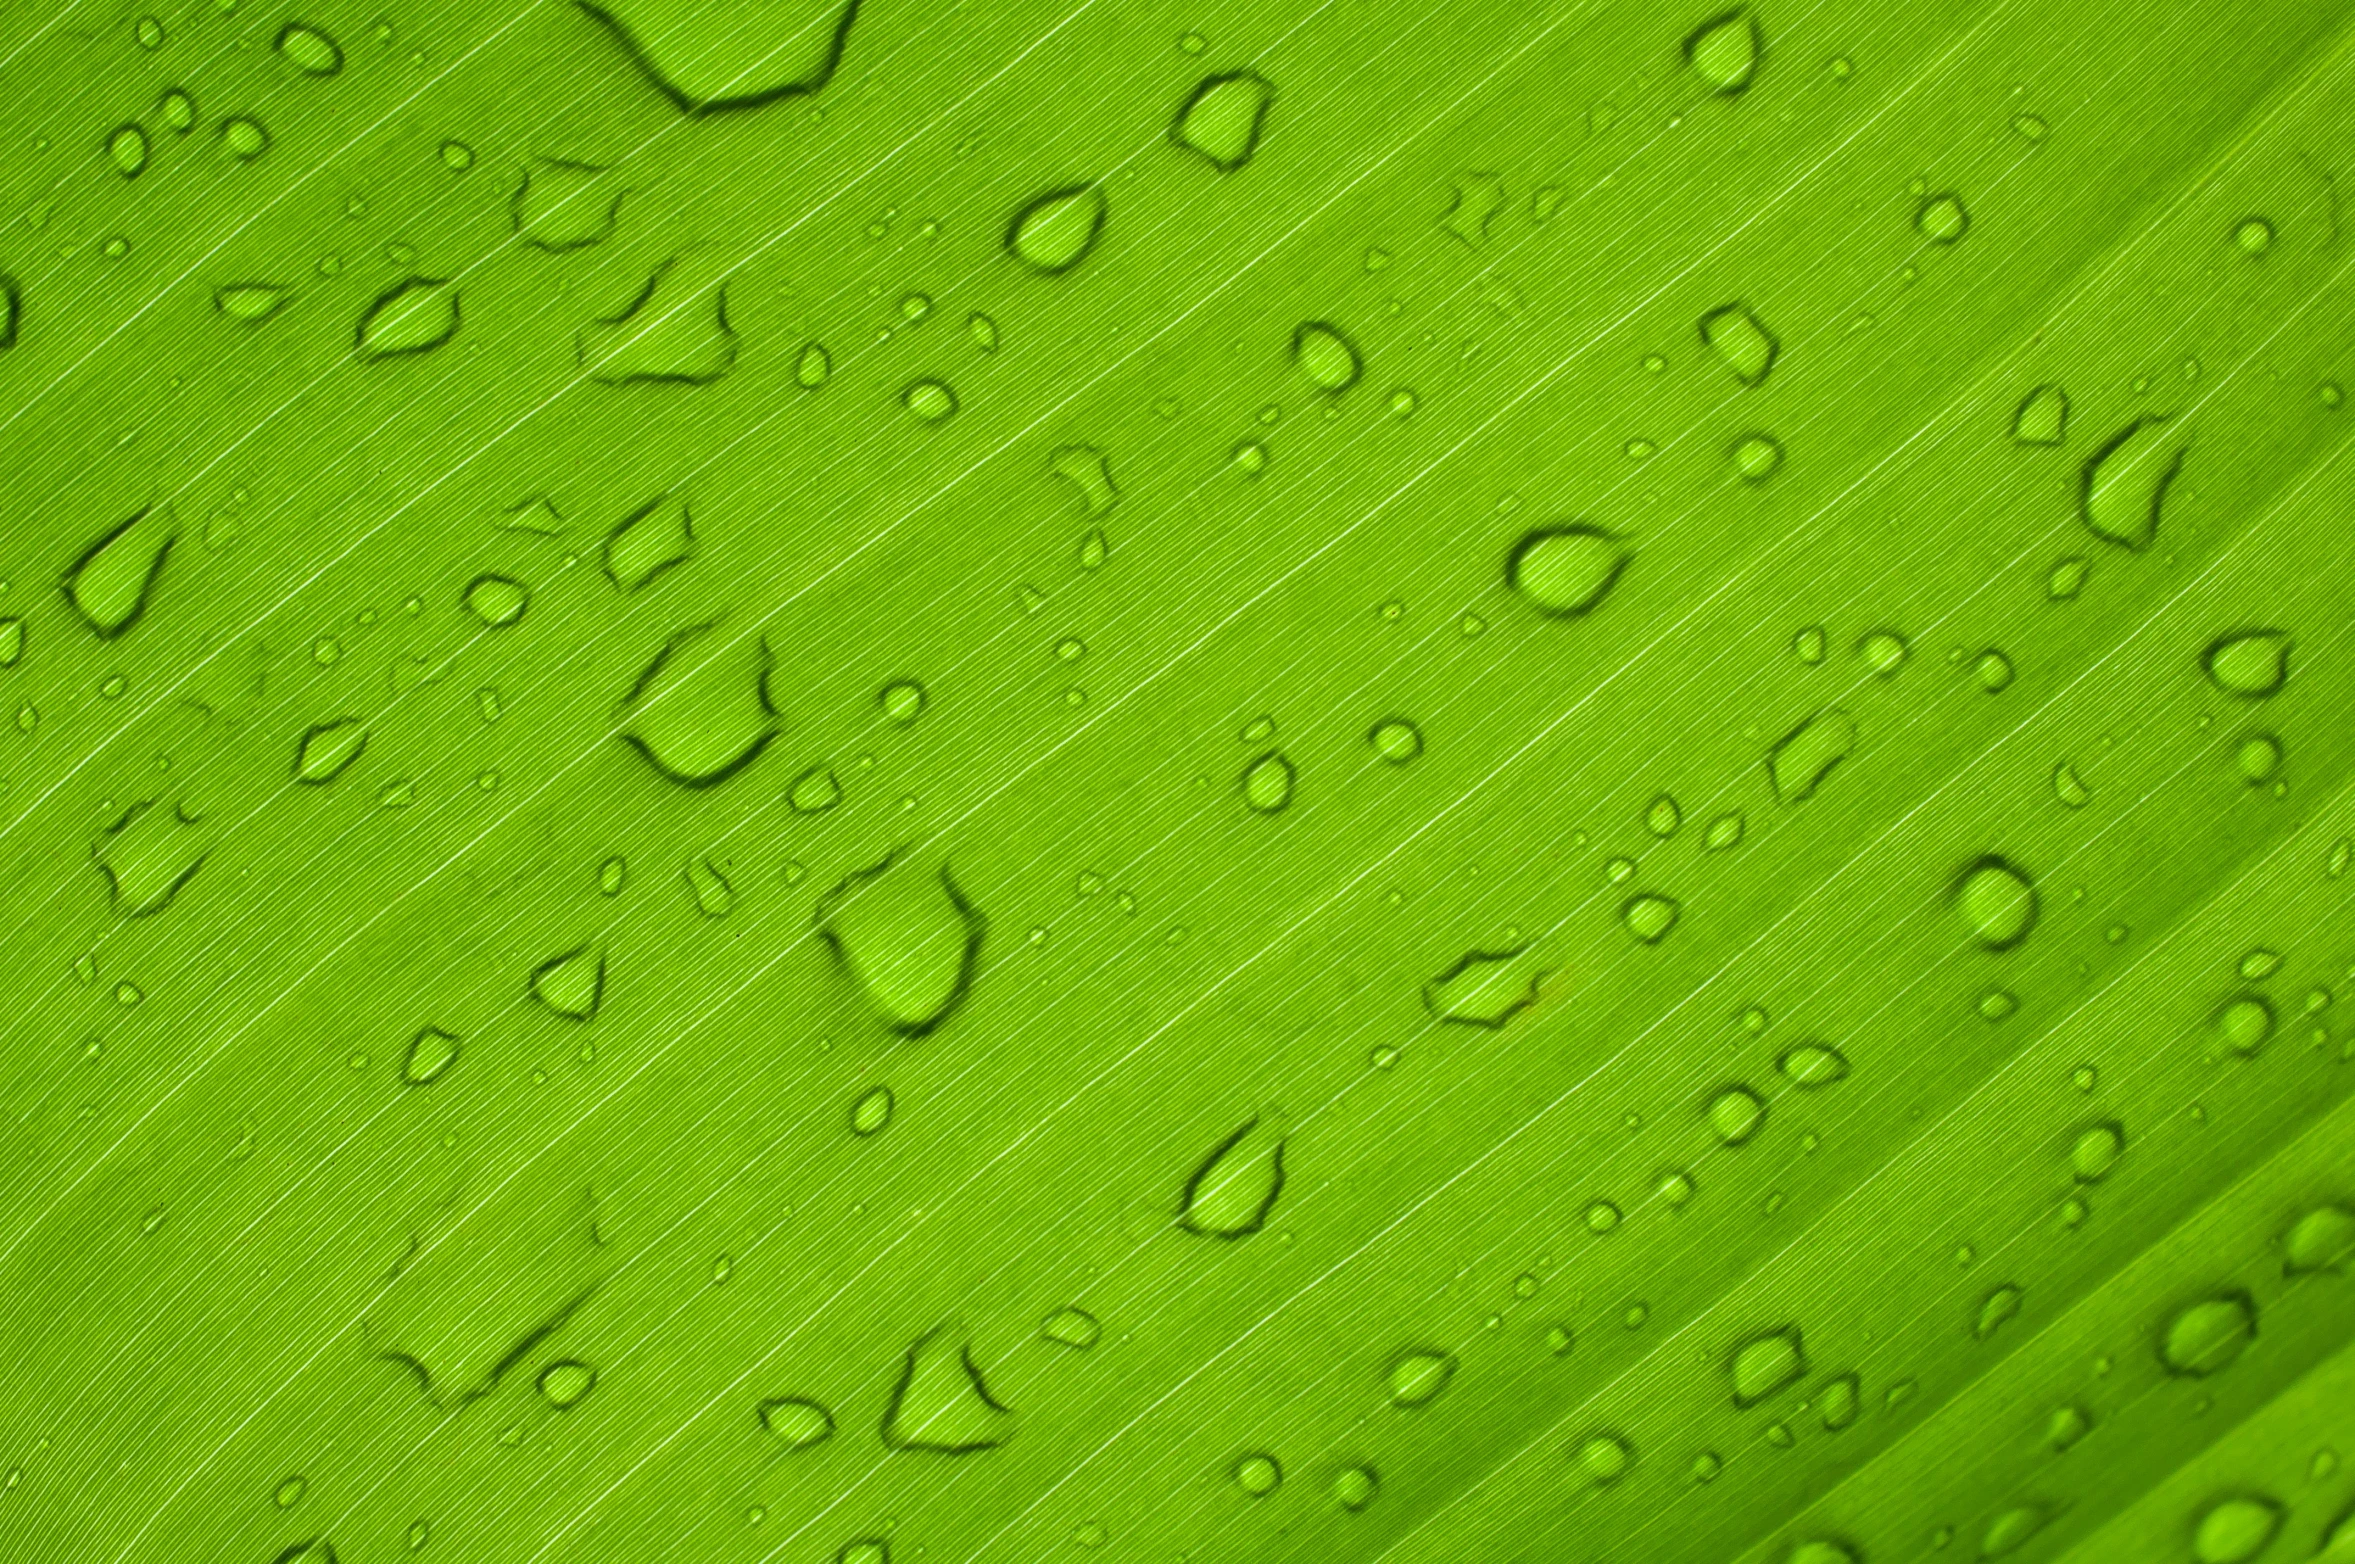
x=1741 y=342
x=1650 y=916
x=2250 y=664
x=1723 y=51
x=1997 y=901
x=2042 y=418
x=1813 y=1065
x=942 y=1405
x=111 y=585
x=1942 y=218
x=1604 y=1457
x=431 y=1053
x=2208 y=1336
x=1419 y=1375
x=416 y=316
x=814 y=368
x=1237 y=1185
x=1766 y=1363
x=909 y=939
x=1056 y=231
x=2123 y=486
x=1221 y=121
x=571 y=984
x=1803 y=757
x=1566 y=570
x=326 y=750
x=1324 y=353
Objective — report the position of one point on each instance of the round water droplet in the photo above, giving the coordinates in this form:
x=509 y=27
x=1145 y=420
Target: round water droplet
x=2253 y=235
x=1259 y=1474
x=902 y=701
x=1396 y=740
x=1736 y=1114
x=309 y=50
x=2096 y=1151
x=1706 y=1466
x=1942 y=218
x=1250 y=457
x=150 y=33
x=1883 y=652
x=1808 y=644
x=1674 y=1187
x=2208 y=1336
x=1757 y=457
x=1604 y=1458
x=1664 y=816
x=1566 y=570
x=1418 y=1376
x=1723 y=51
x=565 y=1383
x=1997 y=901
x=930 y=400
x=1324 y=353
x=1356 y=1487
x=2258 y=758
x=1056 y=231
x=1766 y=1363
x=1649 y=917
x=2236 y=1529
x=2244 y=1025
x=1267 y=783
x=1994 y=671
x=177 y=110
x=1602 y=1217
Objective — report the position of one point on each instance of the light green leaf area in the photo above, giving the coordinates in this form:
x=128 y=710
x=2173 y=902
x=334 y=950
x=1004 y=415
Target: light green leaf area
x=1563 y=784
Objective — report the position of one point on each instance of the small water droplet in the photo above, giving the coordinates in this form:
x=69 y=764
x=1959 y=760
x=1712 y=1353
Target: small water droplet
x=1566 y=570
x=150 y=33
x=412 y=317
x=310 y=50
x=244 y=137
x=127 y=147
x=1942 y=218
x=1356 y=1487
x=1419 y=1375
x=326 y=750
x=1811 y=1066
x=1757 y=456
x=930 y=400
x=942 y=1405
x=431 y=1054
x=1267 y=783
x=497 y=601
x=2253 y=235
x=797 y=1422
x=2321 y=1240
x=1071 y=1327
x=1604 y=1457
x=871 y=1114
x=1396 y=740
x=1650 y=917
x=1994 y=670
x=564 y=1384
x=290 y=1492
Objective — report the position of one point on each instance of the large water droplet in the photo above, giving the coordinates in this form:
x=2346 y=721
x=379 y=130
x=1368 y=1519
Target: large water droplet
x=309 y=49
x=150 y=852
x=1324 y=353
x=1604 y=1457
x=1237 y=1185
x=1723 y=51
x=1766 y=1363
x=1485 y=988
x=1056 y=231
x=1737 y=1114
x=562 y=205
x=1267 y=783
x=1418 y=1376
x=2235 y=1529
x=1813 y=1065
x=1259 y=1474
x=2251 y=664
x=127 y=147
x=1997 y=901
x=2096 y=1151
x=327 y=749
x=697 y=713
x=572 y=983
x=1356 y=1487
x=2323 y=1239
x=2208 y=1336
x=498 y=601
x=431 y=1054
x=1221 y=121
x=650 y=540
x=797 y=1422
x=676 y=331
x=2042 y=418
x=416 y=316
x=730 y=54
x=1741 y=342
x=908 y=938
x=1089 y=471
x=1566 y=570
x=1803 y=757
x=1650 y=916
x=109 y=587
x=942 y=1404
x=2123 y=486
x=567 y=1383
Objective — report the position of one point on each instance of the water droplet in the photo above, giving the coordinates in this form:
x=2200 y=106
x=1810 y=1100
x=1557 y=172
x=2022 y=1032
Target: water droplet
x=1842 y=1397
x=1736 y=1114
x=1473 y=205
x=2012 y=1528
x=675 y=331
x=797 y=1422
x=1396 y=740
x=498 y=601
x=1221 y=121
x=309 y=50
x=177 y=110
x=2069 y=788
x=1231 y=1193
x=148 y=855
x=1813 y=1065
x=1267 y=783
x=864 y=1550
x=1087 y=470
x=1605 y=1458
x=2208 y=1336
x=2236 y=1529
x=2250 y=664
x=128 y=149
x=1559 y=1341
x=290 y=1492
x=1706 y=1466
x=1757 y=456
x=1356 y=1487
x=902 y=701
x=930 y=400
x=416 y=316
x=2123 y=486
x=419 y=1534
x=571 y=985
x=1806 y=755
x=2320 y=1240
x=1602 y=1216
x=983 y=331
x=562 y=205
x=2096 y=1150
x=2258 y=758
x=150 y=32
x=1071 y=1327
x=457 y=156
x=1994 y=670
x=1403 y=403
x=1664 y=816
x=1942 y=218
x=1566 y=570
x=1250 y=457
x=110 y=585
x=1996 y=1310
x=1766 y=1363
x=566 y=1383
x=431 y=1053
x=909 y=939
x=1724 y=832
x=1997 y=901
x=1741 y=342
x=2244 y=1024
x=1324 y=353
x=1723 y=51
x=244 y=137
x=814 y=791
x=249 y=301
x=1485 y=988
x=1259 y=1474
x=327 y=749
x=2042 y=418
x=942 y=1404
x=1822 y=1551
x=2253 y=235
x=1056 y=231
x=871 y=1114
x=1418 y=1375
x=697 y=714
x=1649 y=917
